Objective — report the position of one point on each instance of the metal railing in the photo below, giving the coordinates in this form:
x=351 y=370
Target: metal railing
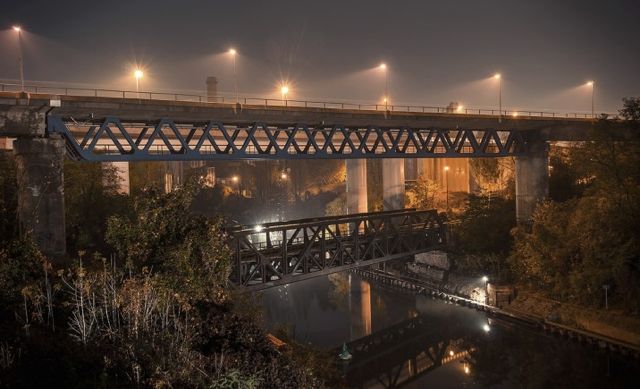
x=271 y=102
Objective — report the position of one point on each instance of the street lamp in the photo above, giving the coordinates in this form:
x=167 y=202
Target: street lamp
x=283 y=175
x=383 y=67
x=486 y=289
x=284 y=90
x=236 y=180
x=18 y=30
x=138 y=74
x=498 y=77
x=446 y=177
x=233 y=53
x=592 y=84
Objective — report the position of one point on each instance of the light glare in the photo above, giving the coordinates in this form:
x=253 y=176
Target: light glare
x=138 y=74
x=232 y=51
x=383 y=66
x=17 y=28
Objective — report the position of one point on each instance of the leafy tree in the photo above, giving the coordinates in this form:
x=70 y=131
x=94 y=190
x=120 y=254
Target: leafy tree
x=162 y=234
x=91 y=197
x=483 y=234
x=424 y=194
x=574 y=248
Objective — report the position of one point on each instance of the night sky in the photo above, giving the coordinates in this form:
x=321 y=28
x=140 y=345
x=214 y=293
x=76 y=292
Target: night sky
x=437 y=52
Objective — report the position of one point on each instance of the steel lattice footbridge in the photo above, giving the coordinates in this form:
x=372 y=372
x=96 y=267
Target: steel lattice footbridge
x=284 y=252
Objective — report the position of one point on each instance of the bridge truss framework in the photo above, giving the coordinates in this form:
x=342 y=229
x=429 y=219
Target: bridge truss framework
x=284 y=252
x=112 y=139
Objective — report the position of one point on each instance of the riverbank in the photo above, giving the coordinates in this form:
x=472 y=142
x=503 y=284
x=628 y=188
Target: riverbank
x=610 y=323
x=604 y=340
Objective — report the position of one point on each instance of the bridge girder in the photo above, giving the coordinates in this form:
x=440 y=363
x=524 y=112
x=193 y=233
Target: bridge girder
x=115 y=140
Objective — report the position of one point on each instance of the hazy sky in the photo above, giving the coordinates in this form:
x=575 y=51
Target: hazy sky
x=437 y=51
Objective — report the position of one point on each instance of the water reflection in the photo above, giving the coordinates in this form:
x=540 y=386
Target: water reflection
x=401 y=340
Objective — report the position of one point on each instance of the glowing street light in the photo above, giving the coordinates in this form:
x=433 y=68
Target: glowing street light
x=236 y=181
x=284 y=90
x=459 y=108
x=138 y=74
x=283 y=175
x=18 y=30
x=383 y=67
x=233 y=53
x=486 y=328
x=486 y=289
x=592 y=84
x=446 y=176
x=498 y=77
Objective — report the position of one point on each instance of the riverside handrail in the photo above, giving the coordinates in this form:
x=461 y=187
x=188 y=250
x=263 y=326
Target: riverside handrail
x=271 y=102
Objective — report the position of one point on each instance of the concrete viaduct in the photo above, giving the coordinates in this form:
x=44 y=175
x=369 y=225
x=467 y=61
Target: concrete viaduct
x=45 y=127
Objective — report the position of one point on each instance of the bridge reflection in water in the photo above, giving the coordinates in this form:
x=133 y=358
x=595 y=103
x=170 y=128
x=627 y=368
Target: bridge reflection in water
x=406 y=351
x=401 y=340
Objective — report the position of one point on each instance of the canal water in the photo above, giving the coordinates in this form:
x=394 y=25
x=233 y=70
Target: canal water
x=397 y=339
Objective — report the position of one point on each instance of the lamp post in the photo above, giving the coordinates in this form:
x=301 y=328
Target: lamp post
x=18 y=30
x=592 y=84
x=383 y=67
x=138 y=74
x=236 y=180
x=486 y=289
x=498 y=77
x=606 y=295
x=233 y=53
x=446 y=177
x=284 y=90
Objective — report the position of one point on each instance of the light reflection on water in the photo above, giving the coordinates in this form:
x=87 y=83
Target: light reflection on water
x=450 y=346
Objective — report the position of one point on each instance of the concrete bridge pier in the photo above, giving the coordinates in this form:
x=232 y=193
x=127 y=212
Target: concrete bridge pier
x=393 y=184
x=532 y=179
x=356 y=186
x=39 y=164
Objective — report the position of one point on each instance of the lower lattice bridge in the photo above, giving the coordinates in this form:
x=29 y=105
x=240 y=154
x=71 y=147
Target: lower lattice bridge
x=279 y=253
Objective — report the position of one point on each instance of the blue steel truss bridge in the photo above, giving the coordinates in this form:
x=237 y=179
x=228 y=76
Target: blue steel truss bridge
x=113 y=139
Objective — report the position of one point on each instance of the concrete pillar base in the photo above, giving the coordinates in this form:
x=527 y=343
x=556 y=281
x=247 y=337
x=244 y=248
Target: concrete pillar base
x=532 y=180
x=357 y=186
x=39 y=164
x=393 y=184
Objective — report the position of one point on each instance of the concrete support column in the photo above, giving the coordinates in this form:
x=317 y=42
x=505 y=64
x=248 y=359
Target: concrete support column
x=356 y=186
x=532 y=179
x=392 y=184
x=39 y=164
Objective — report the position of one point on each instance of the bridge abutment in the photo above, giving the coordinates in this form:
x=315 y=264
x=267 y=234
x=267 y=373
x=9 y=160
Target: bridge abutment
x=357 y=186
x=532 y=180
x=393 y=184
x=39 y=164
